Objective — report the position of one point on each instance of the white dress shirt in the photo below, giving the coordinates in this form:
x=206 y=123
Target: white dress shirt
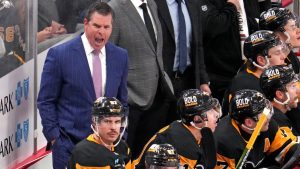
x=137 y=4
x=89 y=54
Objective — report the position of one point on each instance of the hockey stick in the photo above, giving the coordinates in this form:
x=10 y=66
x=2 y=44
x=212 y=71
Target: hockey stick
x=253 y=137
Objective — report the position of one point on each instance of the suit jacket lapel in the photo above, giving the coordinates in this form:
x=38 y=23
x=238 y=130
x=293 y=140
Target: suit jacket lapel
x=165 y=15
x=83 y=64
x=137 y=20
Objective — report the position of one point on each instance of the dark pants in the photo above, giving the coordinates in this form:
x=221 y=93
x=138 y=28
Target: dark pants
x=61 y=151
x=218 y=85
x=60 y=158
x=143 y=124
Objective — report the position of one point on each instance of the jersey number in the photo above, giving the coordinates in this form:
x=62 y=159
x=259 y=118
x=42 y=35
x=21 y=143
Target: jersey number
x=7 y=34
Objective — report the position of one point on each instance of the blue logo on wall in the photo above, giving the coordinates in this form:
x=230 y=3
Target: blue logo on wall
x=26 y=88
x=19 y=93
x=26 y=129
x=18 y=135
x=22 y=90
x=22 y=133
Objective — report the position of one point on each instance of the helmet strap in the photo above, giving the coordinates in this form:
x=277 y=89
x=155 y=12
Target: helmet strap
x=97 y=134
x=194 y=125
x=201 y=120
x=263 y=67
x=248 y=128
x=288 y=37
x=94 y=130
x=286 y=102
x=124 y=126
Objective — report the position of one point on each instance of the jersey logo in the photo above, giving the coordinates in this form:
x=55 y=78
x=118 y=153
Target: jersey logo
x=283 y=133
x=119 y=163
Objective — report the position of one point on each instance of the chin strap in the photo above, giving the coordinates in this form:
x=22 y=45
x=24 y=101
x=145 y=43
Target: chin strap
x=285 y=103
x=97 y=134
x=199 y=128
x=288 y=37
x=263 y=67
x=123 y=130
x=248 y=128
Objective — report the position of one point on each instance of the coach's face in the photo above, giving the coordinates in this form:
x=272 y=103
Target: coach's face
x=98 y=30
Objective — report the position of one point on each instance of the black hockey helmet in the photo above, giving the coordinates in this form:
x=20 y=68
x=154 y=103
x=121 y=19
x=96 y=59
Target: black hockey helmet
x=276 y=78
x=162 y=155
x=106 y=107
x=259 y=43
x=275 y=19
x=247 y=103
x=196 y=102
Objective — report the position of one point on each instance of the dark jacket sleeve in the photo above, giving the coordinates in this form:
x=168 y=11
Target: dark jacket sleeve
x=204 y=79
x=50 y=89
x=218 y=16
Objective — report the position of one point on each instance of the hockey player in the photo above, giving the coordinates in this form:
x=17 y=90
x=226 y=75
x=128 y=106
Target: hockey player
x=192 y=136
x=104 y=148
x=161 y=156
x=234 y=131
x=12 y=28
x=279 y=84
x=285 y=25
x=262 y=49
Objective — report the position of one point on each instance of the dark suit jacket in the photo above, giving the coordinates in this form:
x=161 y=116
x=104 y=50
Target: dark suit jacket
x=67 y=92
x=169 y=48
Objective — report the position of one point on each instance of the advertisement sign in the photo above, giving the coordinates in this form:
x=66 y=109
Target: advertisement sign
x=16 y=115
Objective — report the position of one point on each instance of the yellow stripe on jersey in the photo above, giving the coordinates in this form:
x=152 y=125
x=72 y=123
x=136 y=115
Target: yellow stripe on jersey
x=20 y=59
x=128 y=165
x=224 y=162
x=191 y=163
x=267 y=145
x=253 y=73
x=78 y=166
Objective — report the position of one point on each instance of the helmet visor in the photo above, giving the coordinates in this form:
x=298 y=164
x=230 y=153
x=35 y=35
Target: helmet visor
x=268 y=106
x=218 y=107
x=292 y=25
x=163 y=161
x=278 y=49
x=105 y=119
x=215 y=105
